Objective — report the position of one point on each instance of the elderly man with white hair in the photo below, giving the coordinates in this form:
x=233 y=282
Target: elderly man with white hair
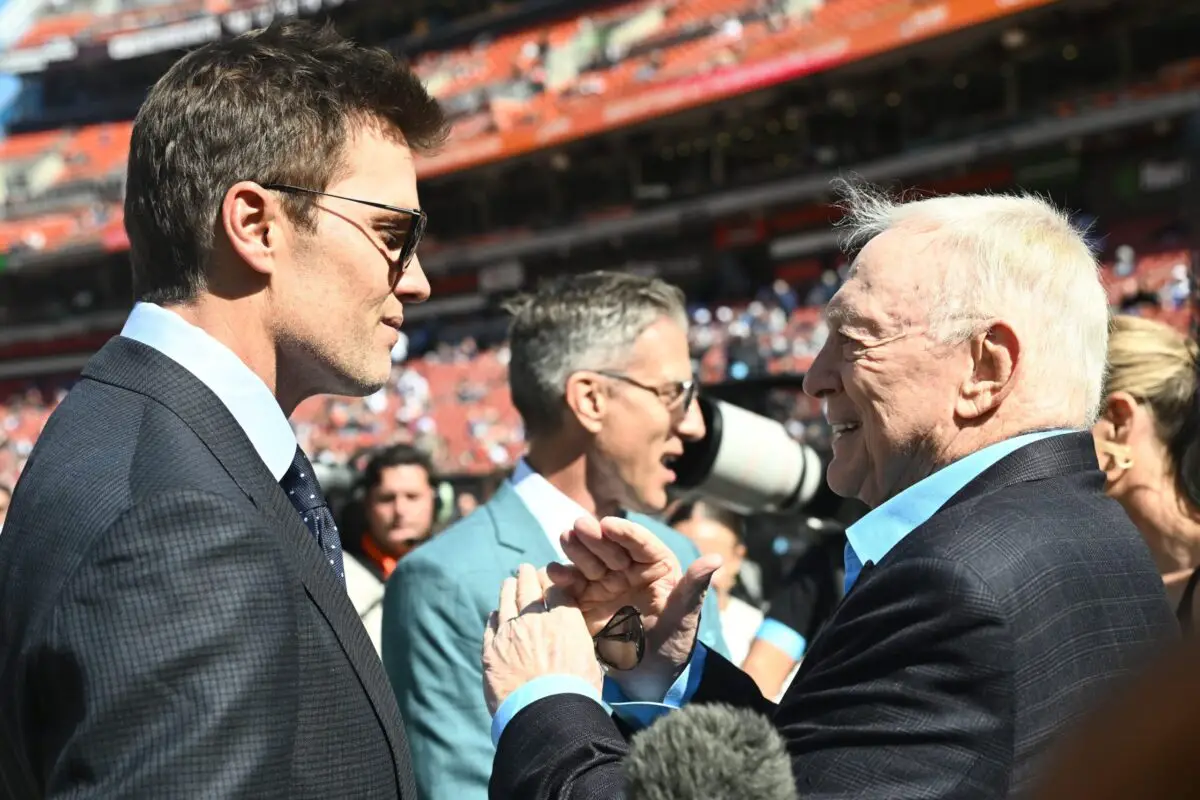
x=993 y=591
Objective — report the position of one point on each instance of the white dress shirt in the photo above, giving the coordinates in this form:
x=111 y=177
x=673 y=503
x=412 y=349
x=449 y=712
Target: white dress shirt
x=248 y=399
x=739 y=622
x=555 y=512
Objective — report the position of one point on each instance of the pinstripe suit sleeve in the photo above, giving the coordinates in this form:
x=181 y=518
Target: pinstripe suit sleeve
x=911 y=694
x=172 y=647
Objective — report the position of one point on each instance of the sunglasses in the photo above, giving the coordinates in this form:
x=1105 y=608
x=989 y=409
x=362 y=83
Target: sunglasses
x=621 y=644
x=411 y=236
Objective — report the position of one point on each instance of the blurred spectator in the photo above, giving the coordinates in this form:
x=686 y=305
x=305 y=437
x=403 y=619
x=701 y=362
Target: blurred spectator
x=1176 y=294
x=466 y=504
x=1125 y=262
x=1147 y=443
x=820 y=294
x=785 y=295
x=717 y=530
x=398 y=508
x=400 y=351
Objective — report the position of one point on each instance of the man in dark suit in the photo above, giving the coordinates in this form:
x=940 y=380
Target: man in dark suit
x=993 y=590
x=176 y=623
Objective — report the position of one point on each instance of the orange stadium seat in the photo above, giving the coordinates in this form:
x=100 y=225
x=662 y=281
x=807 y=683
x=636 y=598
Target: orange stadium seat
x=97 y=151
x=27 y=146
x=50 y=28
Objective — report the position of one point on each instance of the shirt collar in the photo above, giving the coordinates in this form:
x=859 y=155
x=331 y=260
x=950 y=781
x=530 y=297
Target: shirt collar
x=386 y=563
x=241 y=391
x=554 y=511
x=873 y=536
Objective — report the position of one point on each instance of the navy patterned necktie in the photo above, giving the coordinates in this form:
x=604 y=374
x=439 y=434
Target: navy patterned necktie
x=305 y=493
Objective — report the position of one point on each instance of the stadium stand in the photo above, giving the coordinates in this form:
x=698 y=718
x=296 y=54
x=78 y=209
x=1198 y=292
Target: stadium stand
x=689 y=139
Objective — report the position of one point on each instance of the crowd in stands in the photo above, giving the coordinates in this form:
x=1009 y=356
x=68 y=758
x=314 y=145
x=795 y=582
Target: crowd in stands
x=453 y=400
x=529 y=77
x=61 y=189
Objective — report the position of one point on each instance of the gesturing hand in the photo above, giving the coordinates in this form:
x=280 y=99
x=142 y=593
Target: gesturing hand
x=618 y=563
x=535 y=631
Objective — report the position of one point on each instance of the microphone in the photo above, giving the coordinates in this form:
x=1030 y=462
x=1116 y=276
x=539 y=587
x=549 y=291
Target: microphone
x=714 y=752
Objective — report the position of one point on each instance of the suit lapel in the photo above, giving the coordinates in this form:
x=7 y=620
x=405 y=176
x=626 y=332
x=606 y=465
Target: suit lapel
x=138 y=368
x=331 y=599
x=1045 y=458
x=517 y=529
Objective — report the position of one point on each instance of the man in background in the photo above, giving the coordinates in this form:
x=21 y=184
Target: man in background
x=601 y=376
x=399 y=503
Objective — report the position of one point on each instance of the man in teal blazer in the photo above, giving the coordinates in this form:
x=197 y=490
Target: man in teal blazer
x=601 y=375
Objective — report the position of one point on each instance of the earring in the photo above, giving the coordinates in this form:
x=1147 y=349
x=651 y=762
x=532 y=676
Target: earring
x=1122 y=454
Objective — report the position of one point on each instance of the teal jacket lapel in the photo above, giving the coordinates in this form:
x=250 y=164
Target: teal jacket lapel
x=517 y=529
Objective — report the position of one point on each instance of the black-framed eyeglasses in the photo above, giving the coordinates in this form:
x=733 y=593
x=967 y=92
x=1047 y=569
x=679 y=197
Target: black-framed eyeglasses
x=412 y=236
x=621 y=643
x=676 y=395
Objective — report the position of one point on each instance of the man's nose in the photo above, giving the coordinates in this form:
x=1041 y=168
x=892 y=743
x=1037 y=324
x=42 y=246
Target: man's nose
x=691 y=427
x=413 y=286
x=822 y=378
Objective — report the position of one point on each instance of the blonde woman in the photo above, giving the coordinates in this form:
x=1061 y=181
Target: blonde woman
x=1146 y=440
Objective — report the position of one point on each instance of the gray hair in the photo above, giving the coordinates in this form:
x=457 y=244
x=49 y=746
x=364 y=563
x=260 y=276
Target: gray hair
x=1011 y=254
x=579 y=322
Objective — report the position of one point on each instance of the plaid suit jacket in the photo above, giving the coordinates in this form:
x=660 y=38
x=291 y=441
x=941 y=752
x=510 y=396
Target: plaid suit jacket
x=170 y=627
x=948 y=667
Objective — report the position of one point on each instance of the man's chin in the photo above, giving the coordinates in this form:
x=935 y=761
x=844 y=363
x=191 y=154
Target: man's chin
x=362 y=385
x=346 y=379
x=651 y=503
x=840 y=484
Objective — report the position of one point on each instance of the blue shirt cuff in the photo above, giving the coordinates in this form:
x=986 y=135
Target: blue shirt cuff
x=774 y=632
x=642 y=714
x=535 y=690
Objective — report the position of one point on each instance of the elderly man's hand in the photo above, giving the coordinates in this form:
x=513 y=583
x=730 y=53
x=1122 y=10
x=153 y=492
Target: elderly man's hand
x=619 y=563
x=535 y=631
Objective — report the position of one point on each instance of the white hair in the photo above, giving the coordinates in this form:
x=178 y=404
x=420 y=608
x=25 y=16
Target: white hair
x=1009 y=256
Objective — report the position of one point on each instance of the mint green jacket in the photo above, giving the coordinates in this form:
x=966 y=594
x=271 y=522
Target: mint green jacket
x=434 y=611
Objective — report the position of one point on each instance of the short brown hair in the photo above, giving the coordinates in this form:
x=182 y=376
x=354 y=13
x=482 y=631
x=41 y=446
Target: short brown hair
x=273 y=105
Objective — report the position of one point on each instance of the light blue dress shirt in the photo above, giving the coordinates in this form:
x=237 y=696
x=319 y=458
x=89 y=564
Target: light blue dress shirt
x=867 y=542
x=885 y=526
x=776 y=633
x=239 y=389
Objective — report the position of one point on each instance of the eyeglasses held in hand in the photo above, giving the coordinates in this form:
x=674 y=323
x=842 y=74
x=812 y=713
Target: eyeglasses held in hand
x=621 y=644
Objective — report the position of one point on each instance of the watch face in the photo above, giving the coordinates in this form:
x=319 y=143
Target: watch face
x=621 y=644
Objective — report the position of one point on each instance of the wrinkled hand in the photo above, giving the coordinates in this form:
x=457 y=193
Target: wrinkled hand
x=535 y=631
x=618 y=563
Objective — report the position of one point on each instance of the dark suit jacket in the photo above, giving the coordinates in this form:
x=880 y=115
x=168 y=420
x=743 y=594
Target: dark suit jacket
x=170 y=627
x=949 y=666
